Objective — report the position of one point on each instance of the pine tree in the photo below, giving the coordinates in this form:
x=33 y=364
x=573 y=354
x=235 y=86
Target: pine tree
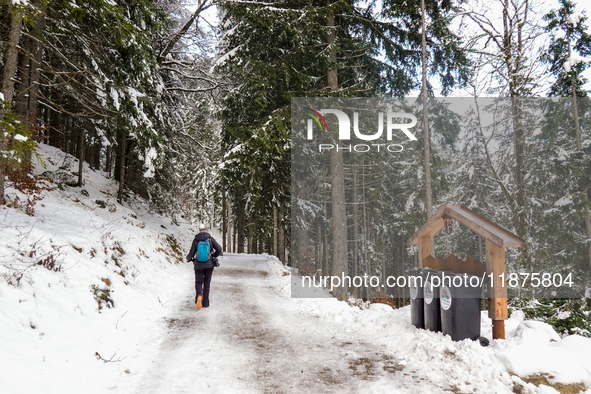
x=427 y=22
x=568 y=56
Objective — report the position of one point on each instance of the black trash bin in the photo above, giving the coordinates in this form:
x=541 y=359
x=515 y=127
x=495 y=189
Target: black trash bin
x=460 y=306
x=432 y=310
x=415 y=285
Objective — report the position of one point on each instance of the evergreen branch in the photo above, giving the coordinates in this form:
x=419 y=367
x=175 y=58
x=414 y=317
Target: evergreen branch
x=200 y=90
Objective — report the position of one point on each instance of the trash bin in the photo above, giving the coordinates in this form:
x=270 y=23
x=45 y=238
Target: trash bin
x=432 y=310
x=415 y=285
x=460 y=306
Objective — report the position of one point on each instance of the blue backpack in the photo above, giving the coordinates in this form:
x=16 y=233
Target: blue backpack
x=203 y=251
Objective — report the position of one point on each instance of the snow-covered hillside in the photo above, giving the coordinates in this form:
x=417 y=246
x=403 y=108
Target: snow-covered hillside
x=96 y=297
x=88 y=280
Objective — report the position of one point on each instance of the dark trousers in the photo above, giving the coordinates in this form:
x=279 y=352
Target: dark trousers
x=202 y=281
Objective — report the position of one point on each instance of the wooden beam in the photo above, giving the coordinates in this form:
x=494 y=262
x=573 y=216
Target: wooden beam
x=432 y=226
x=489 y=229
x=480 y=225
x=424 y=248
x=497 y=293
x=475 y=226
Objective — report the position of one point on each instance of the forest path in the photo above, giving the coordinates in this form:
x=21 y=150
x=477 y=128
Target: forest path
x=253 y=340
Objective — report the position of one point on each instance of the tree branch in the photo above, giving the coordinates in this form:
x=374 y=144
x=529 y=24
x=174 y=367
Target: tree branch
x=201 y=6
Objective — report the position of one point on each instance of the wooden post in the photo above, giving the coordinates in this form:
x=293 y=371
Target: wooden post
x=424 y=248
x=497 y=293
x=498 y=329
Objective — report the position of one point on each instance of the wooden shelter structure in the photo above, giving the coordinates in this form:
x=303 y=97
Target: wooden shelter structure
x=496 y=240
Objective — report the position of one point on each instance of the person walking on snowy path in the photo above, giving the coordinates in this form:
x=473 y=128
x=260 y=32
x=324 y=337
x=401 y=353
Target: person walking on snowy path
x=202 y=259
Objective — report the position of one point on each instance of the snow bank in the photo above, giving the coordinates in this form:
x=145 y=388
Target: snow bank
x=79 y=246
x=531 y=347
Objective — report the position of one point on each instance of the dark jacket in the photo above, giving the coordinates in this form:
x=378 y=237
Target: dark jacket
x=217 y=249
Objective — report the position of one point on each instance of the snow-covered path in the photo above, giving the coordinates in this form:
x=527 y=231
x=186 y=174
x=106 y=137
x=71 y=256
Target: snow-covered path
x=251 y=340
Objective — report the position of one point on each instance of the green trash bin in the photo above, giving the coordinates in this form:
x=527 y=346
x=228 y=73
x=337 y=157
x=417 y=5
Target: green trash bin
x=432 y=308
x=415 y=285
x=460 y=306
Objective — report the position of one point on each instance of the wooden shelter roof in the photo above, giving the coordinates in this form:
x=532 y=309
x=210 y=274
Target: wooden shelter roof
x=481 y=226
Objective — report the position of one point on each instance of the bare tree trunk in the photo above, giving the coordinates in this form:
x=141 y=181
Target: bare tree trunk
x=318 y=262
x=229 y=246
x=97 y=157
x=37 y=54
x=10 y=59
x=579 y=148
x=281 y=238
x=519 y=151
x=89 y=156
x=267 y=245
x=368 y=290
x=123 y=163
x=384 y=277
x=588 y=228
x=240 y=203
x=402 y=257
x=29 y=67
x=11 y=55
x=224 y=220
x=332 y=77
x=397 y=292
x=56 y=130
x=21 y=95
x=274 y=230
x=574 y=98
x=355 y=233
x=108 y=160
x=81 y=158
x=514 y=63
x=339 y=221
x=235 y=239
x=2 y=198
x=325 y=270
x=337 y=178
x=7 y=86
x=426 y=139
x=302 y=246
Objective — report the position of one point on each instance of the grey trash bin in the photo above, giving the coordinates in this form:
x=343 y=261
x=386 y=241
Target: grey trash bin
x=415 y=285
x=432 y=310
x=460 y=306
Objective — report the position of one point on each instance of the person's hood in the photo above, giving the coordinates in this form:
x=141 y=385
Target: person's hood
x=202 y=236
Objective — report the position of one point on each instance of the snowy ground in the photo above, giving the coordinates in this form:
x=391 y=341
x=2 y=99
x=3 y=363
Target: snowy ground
x=253 y=339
